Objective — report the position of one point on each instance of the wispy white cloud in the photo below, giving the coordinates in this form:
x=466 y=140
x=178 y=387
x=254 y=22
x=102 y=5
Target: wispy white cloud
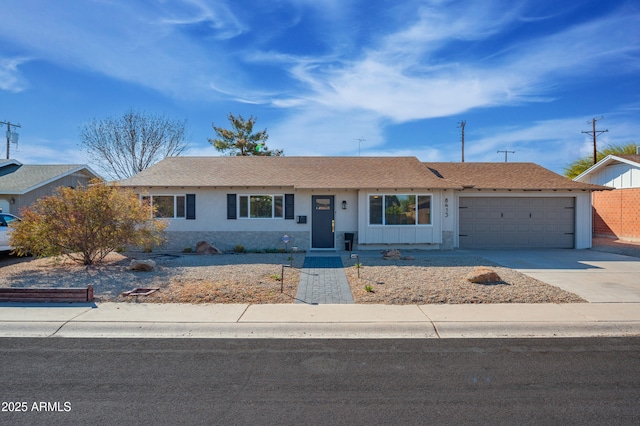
x=33 y=150
x=397 y=80
x=152 y=45
x=326 y=132
x=215 y=19
x=416 y=60
x=551 y=143
x=402 y=78
x=10 y=78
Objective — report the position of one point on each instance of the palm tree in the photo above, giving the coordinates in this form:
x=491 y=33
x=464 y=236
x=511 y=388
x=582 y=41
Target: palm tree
x=577 y=167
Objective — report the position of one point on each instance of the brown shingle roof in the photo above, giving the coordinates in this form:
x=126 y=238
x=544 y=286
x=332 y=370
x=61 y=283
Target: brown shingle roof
x=523 y=176
x=296 y=172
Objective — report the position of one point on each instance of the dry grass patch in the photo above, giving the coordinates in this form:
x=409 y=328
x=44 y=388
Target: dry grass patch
x=229 y=284
x=443 y=279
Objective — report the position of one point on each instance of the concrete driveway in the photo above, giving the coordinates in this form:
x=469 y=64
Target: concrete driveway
x=596 y=276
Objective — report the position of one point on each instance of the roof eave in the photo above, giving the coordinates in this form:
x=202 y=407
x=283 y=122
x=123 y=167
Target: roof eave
x=60 y=176
x=603 y=163
x=580 y=188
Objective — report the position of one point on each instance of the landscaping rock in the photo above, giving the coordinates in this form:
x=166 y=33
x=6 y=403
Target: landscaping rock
x=391 y=254
x=204 y=247
x=142 y=265
x=484 y=275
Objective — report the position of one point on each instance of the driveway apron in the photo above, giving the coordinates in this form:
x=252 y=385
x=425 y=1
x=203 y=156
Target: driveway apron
x=323 y=281
x=595 y=276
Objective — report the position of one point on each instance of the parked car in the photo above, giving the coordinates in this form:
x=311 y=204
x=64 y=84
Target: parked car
x=5 y=220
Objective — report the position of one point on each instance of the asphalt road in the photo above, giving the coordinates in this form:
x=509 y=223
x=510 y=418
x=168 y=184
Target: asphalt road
x=209 y=381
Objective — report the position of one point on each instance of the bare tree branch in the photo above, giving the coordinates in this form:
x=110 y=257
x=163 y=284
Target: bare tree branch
x=124 y=146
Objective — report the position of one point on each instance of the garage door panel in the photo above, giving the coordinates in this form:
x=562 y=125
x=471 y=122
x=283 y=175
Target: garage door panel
x=507 y=203
x=495 y=222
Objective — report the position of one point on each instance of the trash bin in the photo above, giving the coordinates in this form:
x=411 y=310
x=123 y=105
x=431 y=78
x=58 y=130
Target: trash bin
x=348 y=241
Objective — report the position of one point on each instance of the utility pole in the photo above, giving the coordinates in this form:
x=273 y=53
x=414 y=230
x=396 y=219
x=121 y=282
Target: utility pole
x=595 y=134
x=360 y=140
x=11 y=136
x=462 y=124
x=505 y=154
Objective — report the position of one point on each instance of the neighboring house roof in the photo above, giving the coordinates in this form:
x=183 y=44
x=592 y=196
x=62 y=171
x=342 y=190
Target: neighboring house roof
x=519 y=176
x=296 y=172
x=4 y=163
x=630 y=159
x=16 y=178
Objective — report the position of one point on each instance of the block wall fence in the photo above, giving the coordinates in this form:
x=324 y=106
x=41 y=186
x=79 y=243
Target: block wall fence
x=616 y=213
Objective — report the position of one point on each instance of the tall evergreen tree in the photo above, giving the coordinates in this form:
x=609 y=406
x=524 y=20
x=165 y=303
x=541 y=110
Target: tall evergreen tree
x=240 y=139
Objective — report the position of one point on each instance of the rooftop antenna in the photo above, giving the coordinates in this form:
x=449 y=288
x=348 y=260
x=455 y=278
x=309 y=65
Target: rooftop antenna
x=595 y=134
x=506 y=153
x=360 y=140
x=462 y=124
x=11 y=136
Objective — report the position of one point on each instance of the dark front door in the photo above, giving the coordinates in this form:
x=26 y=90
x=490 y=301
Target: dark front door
x=322 y=225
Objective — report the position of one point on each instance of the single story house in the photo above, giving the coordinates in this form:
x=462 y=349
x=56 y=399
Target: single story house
x=324 y=203
x=21 y=185
x=616 y=213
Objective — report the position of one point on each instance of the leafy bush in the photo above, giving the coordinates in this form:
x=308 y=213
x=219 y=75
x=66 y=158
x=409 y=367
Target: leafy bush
x=87 y=223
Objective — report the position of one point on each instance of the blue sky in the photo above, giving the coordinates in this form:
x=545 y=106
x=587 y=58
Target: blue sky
x=526 y=76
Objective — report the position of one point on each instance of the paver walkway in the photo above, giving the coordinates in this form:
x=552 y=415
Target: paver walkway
x=323 y=281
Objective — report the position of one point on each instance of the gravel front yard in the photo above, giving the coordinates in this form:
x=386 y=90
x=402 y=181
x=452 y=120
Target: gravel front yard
x=255 y=278
x=442 y=278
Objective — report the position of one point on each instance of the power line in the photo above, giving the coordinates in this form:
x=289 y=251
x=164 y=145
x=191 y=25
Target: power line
x=462 y=124
x=595 y=134
x=11 y=136
x=360 y=140
x=505 y=154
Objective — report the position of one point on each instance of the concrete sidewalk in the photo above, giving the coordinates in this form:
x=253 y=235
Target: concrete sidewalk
x=140 y=320
x=609 y=281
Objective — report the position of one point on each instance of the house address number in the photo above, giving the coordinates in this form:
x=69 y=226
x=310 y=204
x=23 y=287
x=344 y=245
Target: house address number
x=446 y=207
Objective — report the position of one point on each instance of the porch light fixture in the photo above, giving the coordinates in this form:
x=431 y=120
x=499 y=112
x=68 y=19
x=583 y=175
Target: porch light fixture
x=344 y=204
x=12 y=200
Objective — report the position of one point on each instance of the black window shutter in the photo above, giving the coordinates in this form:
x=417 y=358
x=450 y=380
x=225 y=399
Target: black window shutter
x=231 y=206
x=191 y=206
x=288 y=206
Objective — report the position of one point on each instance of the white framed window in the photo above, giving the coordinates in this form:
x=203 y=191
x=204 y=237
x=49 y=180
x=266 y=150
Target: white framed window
x=400 y=209
x=167 y=206
x=261 y=206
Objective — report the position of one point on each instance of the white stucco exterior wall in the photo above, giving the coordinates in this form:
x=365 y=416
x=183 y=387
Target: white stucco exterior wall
x=400 y=234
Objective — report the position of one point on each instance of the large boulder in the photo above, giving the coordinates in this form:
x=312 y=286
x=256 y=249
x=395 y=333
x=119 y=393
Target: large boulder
x=484 y=275
x=204 y=247
x=391 y=254
x=144 y=265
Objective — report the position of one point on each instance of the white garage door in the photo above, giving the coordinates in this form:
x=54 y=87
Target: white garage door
x=505 y=222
